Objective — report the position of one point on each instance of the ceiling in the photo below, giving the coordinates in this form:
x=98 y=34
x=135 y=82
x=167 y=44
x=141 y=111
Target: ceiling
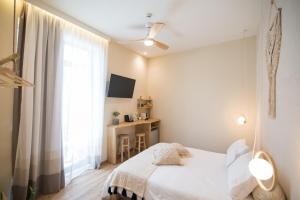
x=189 y=23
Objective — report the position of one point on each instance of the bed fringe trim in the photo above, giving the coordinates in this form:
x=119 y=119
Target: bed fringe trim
x=114 y=190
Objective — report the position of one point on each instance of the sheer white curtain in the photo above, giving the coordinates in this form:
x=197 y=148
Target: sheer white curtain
x=84 y=77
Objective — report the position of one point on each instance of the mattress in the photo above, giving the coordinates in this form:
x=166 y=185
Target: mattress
x=202 y=177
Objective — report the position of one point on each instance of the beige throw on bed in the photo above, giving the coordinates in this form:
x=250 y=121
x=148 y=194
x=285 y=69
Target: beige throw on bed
x=133 y=174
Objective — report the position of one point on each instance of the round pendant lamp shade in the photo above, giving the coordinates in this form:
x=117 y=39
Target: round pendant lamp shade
x=262 y=168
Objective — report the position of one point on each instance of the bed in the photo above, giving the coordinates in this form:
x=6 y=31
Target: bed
x=201 y=177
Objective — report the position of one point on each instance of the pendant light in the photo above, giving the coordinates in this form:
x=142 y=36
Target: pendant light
x=262 y=168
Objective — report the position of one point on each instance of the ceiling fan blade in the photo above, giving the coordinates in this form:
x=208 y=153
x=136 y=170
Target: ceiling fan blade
x=156 y=27
x=136 y=27
x=161 y=45
x=129 y=41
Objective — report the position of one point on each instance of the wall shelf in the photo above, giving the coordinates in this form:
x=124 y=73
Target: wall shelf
x=144 y=105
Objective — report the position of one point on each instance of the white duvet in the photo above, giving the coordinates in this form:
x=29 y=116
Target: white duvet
x=202 y=177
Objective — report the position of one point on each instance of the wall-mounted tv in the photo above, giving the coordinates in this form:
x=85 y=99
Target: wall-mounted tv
x=120 y=87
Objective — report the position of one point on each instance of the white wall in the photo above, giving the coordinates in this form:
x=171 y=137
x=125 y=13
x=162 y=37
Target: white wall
x=199 y=94
x=124 y=62
x=6 y=95
x=281 y=137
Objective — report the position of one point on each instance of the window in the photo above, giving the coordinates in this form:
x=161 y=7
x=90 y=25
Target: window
x=83 y=100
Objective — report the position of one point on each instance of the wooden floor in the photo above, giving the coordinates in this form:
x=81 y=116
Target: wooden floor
x=88 y=186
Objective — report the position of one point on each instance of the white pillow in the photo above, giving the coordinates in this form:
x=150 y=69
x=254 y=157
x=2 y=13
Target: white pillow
x=235 y=150
x=240 y=182
x=166 y=154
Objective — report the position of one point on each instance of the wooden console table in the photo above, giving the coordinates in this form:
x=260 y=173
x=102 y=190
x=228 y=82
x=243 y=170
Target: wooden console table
x=144 y=126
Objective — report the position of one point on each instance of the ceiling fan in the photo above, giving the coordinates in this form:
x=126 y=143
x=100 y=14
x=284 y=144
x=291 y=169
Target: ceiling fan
x=153 y=30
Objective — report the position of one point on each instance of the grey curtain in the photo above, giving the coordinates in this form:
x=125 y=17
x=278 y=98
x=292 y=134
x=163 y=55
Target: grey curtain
x=18 y=67
x=39 y=157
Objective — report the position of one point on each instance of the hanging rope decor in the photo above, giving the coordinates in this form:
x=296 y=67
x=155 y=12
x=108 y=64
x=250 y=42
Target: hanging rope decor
x=272 y=54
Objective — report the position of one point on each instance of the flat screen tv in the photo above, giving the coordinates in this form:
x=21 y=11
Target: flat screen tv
x=121 y=87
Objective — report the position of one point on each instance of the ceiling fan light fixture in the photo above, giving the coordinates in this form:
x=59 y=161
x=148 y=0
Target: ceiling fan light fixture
x=148 y=42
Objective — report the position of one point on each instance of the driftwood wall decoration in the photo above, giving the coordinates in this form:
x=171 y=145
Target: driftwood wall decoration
x=273 y=53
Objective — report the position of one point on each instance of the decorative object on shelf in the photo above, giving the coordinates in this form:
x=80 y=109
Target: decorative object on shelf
x=144 y=116
x=273 y=46
x=115 y=120
x=135 y=117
